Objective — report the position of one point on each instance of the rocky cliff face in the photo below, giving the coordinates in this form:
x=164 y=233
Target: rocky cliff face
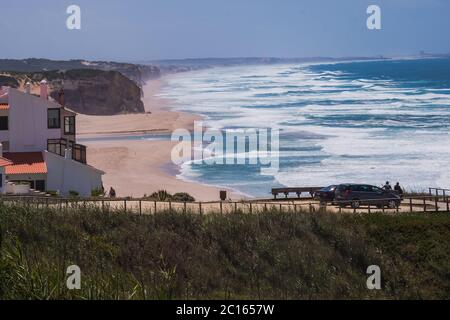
x=94 y=88
x=137 y=72
x=98 y=92
x=93 y=92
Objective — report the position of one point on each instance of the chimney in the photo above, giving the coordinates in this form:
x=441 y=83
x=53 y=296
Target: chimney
x=61 y=97
x=68 y=153
x=28 y=87
x=44 y=90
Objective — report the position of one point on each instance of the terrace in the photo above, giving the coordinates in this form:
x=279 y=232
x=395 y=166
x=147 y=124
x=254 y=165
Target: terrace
x=59 y=146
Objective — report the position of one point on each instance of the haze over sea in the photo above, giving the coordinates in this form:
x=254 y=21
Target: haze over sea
x=362 y=122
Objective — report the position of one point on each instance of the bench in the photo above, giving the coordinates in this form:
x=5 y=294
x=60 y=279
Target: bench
x=297 y=191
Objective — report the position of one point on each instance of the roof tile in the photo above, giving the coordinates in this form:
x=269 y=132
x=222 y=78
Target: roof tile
x=25 y=163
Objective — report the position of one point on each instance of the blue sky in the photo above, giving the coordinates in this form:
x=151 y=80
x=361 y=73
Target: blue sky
x=136 y=30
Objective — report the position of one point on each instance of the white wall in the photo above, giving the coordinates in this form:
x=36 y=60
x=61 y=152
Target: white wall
x=65 y=174
x=28 y=130
x=4 y=134
x=3 y=184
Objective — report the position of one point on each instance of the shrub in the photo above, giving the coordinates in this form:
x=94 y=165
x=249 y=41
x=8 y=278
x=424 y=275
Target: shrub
x=163 y=195
x=53 y=193
x=73 y=193
x=97 y=193
x=183 y=197
x=270 y=255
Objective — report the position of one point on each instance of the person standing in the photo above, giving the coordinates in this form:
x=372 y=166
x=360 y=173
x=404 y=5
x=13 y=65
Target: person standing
x=387 y=186
x=398 y=189
x=112 y=193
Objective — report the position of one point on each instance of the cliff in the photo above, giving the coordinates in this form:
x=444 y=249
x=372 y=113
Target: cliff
x=90 y=87
x=87 y=91
x=137 y=72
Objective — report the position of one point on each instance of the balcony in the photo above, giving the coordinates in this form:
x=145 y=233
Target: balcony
x=59 y=147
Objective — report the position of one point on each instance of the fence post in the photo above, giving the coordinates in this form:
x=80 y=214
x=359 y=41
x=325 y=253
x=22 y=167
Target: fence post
x=140 y=207
x=125 y=205
x=251 y=209
x=200 y=207
x=436 y=204
x=424 y=205
x=410 y=205
x=368 y=209
x=221 y=207
x=184 y=207
x=235 y=207
x=154 y=206
x=448 y=208
x=170 y=206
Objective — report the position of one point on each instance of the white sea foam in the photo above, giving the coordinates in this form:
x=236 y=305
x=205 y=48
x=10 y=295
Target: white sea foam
x=361 y=130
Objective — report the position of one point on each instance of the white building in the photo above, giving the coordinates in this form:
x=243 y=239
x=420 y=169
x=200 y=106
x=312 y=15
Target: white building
x=38 y=144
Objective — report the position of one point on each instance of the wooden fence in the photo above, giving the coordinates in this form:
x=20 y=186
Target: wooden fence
x=145 y=206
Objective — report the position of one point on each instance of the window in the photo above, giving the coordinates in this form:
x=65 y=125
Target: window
x=69 y=125
x=40 y=185
x=4 y=123
x=53 y=118
x=5 y=145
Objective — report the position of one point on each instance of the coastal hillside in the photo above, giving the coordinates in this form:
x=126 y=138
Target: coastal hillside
x=90 y=87
x=269 y=255
x=136 y=72
x=86 y=91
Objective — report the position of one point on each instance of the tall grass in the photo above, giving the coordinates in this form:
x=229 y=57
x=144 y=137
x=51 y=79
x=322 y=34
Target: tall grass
x=270 y=255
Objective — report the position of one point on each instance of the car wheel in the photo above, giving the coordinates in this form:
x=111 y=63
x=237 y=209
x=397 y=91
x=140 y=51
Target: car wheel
x=356 y=204
x=392 y=204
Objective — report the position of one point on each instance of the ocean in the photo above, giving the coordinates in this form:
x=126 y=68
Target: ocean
x=362 y=122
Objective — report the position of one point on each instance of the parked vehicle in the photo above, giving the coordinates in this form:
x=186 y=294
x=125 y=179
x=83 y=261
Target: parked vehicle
x=363 y=194
x=326 y=194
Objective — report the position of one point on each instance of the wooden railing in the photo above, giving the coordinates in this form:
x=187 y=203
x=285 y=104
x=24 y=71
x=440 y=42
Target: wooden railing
x=146 y=206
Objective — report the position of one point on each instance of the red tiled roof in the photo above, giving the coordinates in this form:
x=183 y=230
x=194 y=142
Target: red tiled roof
x=5 y=162
x=4 y=106
x=25 y=163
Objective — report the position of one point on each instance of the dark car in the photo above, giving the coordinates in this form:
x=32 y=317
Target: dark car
x=364 y=194
x=326 y=194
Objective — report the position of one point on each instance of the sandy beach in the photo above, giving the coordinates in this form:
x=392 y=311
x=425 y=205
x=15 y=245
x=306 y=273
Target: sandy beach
x=138 y=167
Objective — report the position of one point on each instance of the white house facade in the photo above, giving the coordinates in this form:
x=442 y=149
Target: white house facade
x=38 y=145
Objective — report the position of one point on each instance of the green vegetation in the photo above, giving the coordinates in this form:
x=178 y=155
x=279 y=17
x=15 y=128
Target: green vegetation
x=73 y=193
x=163 y=195
x=97 y=193
x=8 y=81
x=52 y=193
x=267 y=255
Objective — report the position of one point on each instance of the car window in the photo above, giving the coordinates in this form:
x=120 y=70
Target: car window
x=376 y=189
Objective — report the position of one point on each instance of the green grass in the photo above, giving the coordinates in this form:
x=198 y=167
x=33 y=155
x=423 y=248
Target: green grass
x=269 y=255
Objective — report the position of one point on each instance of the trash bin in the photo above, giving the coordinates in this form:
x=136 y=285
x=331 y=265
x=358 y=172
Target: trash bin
x=223 y=195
